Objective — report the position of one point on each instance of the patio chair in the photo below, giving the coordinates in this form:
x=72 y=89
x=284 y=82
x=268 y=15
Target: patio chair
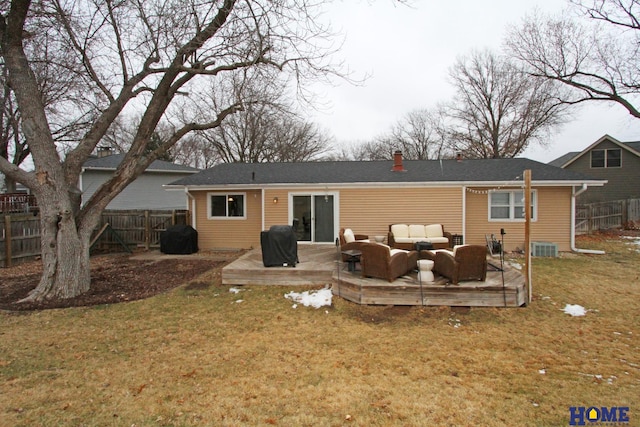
x=350 y=241
x=382 y=262
x=465 y=262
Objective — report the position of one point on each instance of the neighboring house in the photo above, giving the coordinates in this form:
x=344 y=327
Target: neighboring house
x=146 y=192
x=232 y=203
x=607 y=159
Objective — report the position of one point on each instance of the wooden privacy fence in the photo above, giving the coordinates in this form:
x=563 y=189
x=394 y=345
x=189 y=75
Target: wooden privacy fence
x=19 y=239
x=20 y=234
x=607 y=215
x=138 y=228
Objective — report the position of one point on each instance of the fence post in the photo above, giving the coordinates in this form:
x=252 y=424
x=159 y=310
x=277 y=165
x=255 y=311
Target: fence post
x=7 y=241
x=173 y=217
x=147 y=230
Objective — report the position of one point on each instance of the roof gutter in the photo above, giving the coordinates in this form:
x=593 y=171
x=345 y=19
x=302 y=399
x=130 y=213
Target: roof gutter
x=575 y=194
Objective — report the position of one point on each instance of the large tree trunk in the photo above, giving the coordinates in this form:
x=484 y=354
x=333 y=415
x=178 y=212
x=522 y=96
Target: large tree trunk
x=65 y=257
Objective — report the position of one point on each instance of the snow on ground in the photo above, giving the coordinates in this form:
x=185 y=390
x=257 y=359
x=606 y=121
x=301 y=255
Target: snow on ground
x=314 y=299
x=633 y=240
x=575 y=310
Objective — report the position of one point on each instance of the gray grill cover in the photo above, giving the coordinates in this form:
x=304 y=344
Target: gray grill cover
x=279 y=246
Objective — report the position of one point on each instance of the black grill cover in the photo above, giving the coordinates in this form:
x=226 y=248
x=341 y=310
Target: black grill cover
x=279 y=246
x=179 y=239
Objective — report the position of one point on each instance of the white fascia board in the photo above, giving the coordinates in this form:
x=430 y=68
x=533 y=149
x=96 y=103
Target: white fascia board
x=352 y=185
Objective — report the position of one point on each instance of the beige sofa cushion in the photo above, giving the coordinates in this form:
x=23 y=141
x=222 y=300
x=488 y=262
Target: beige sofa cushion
x=349 y=236
x=433 y=230
x=400 y=231
x=416 y=231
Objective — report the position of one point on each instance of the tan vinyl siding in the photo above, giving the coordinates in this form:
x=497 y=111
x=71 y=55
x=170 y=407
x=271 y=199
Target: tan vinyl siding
x=370 y=211
x=229 y=233
x=553 y=223
x=276 y=213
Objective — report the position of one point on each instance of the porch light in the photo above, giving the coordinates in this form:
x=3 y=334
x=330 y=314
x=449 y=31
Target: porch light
x=275 y=200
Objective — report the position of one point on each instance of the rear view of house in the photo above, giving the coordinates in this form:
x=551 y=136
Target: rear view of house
x=231 y=204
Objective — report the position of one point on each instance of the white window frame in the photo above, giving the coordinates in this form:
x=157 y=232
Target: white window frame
x=512 y=205
x=226 y=196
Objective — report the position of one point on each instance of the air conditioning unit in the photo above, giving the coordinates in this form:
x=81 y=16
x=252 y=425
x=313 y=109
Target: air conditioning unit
x=544 y=249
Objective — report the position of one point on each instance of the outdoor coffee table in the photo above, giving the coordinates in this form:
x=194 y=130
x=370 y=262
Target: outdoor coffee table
x=352 y=257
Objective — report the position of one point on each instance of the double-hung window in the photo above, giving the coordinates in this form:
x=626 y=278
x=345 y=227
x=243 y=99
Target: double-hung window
x=231 y=205
x=609 y=158
x=509 y=205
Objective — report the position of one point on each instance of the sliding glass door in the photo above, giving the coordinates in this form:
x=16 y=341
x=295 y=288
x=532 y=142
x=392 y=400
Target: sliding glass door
x=314 y=217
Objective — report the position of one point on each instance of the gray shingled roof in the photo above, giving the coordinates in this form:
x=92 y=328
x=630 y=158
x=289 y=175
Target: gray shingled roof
x=417 y=171
x=560 y=161
x=635 y=145
x=112 y=162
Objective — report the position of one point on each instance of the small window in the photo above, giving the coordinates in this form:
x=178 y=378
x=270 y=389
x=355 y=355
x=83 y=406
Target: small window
x=613 y=158
x=509 y=205
x=226 y=205
x=597 y=159
x=609 y=158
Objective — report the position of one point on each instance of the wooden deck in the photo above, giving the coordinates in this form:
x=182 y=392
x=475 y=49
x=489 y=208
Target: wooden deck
x=316 y=267
x=319 y=266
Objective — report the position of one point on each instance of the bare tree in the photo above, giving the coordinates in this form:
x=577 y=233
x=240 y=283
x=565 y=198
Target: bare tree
x=267 y=130
x=194 y=150
x=597 y=57
x=420 y=135
x=498 y=110
x=151 y=57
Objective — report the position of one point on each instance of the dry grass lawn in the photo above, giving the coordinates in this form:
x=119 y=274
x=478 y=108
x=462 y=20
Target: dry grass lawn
x=202 y=355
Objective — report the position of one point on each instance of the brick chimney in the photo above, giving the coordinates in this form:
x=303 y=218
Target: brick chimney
x=397 y=162
x=104 y=151
x=459 y=156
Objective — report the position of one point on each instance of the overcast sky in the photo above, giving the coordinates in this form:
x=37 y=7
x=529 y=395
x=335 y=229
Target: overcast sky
x=408 y=50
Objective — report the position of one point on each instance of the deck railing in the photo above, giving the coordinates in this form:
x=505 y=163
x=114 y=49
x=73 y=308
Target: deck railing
x=12 y=203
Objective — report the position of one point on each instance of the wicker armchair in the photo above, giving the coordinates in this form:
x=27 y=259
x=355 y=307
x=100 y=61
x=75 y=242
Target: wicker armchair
x=355 y=244
x=466 y=262
x=382 y=262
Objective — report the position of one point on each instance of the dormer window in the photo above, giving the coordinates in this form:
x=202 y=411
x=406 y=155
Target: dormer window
x=609 y=158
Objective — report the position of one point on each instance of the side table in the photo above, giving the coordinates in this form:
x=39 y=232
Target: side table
x=352 y=257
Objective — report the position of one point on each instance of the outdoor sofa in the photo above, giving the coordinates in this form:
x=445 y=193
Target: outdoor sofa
x=403 y=236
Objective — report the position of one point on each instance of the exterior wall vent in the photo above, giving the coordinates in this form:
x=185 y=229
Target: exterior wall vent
x=544 y=249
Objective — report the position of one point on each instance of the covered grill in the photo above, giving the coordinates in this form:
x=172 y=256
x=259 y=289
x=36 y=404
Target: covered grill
x=279 y=246
x=179 y=239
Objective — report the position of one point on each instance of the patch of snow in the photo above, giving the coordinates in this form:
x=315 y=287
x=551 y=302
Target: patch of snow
x=235 y=290
x=515 y=265
x=542 y=371
x=314 y=299
x=239 y=301
x=575 y=310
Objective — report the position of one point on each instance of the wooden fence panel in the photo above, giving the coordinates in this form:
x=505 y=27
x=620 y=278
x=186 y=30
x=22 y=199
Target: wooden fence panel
x=20 y=235
x=606 y=215
x=633 y=212
x=19 y=239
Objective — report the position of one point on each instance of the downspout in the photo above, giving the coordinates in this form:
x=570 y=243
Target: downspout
x=575 y=194
x=464 y=211
x=193 y=207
